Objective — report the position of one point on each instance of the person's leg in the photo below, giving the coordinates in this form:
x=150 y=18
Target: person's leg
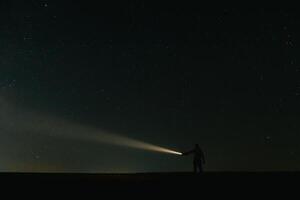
x=195 y=167
x=200 y=167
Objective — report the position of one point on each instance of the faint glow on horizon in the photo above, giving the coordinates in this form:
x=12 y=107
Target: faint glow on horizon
x=24 y=120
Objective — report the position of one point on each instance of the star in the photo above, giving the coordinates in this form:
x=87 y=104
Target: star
x=100 y=91
x=267 y=139
x=261 y=77
x=27 y=38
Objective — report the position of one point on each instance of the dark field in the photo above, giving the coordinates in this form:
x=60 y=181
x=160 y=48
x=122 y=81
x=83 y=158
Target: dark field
x=210 y=183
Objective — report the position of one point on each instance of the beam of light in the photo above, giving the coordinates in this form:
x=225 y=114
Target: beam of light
x=128 y=142
x=18 y=119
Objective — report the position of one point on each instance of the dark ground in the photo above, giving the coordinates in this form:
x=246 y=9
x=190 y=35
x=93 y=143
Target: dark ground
x=149 y=184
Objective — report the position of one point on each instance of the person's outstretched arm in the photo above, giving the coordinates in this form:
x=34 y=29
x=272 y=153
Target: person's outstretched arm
x=187 y=153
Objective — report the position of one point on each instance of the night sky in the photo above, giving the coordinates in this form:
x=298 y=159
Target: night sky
x=169 y=74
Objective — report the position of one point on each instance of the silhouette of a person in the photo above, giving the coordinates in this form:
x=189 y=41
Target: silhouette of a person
x=199 y=158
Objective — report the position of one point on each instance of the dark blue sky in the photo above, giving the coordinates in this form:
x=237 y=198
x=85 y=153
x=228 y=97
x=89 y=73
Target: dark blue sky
x=169 y=74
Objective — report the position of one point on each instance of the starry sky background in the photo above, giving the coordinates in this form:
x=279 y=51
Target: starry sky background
x=169 y=74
